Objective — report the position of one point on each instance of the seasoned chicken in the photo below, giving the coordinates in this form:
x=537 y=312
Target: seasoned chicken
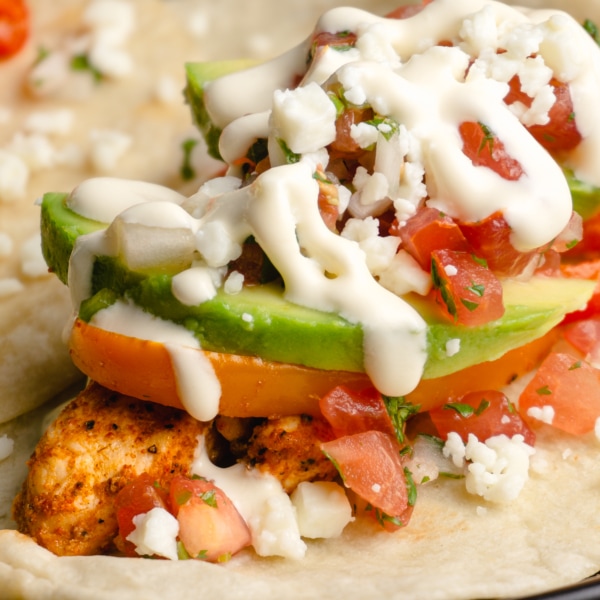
x=289 y=449
x=100 y=442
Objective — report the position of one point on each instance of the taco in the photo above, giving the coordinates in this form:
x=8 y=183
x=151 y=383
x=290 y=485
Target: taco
x=313 y=371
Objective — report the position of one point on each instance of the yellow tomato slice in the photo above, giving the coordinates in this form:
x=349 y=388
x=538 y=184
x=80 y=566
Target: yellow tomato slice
x=252 y=387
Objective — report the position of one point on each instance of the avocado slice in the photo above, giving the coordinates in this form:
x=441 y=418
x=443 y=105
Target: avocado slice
x=198 y=75
x=259 y=321
x=586 y=197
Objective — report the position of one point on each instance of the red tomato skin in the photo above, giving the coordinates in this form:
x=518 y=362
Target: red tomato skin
x=571 y=387
x=138 y=497
x=490 y=240
x=349 y=412
x=560 y=134
x=371 y=466
x=210 y=527
x=345 y=145
x=472 y=295
x=14 y=27
x=486 y=150
x=430 y=230
x=499 y=417
x=408 y=10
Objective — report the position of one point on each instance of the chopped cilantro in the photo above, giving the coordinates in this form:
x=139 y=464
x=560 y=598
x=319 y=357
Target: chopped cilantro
x=488 y=139
x=183 y=497
x=290 y=157
x=399 y=411
x=464 y=410
x=544 y=391
x=187 y=172
x=592 y=29
x=469 y=305
x=575 y=365
x=410 y=487
x=477 y=289
x=480 y=261
x=210 y=498
x=434 y=439
x=81 y=62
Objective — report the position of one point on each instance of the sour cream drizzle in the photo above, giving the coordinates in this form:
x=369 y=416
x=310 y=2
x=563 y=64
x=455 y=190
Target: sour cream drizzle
x=397 y=67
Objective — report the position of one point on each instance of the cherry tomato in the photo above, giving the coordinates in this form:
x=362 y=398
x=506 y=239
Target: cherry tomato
x=484 y=414
x=467 y=291
x=14 y=27
x=408 y=10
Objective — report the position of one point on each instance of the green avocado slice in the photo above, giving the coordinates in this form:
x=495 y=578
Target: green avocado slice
x=259 y=321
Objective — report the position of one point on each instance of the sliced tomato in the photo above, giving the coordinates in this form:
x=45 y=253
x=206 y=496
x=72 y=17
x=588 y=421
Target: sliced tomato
x=371 y=466
x=349 y=411
x=138 y=497
x=571 y=387
x=490 y=239
x=484 y=414
x=210 y=526
x=14 y=27
x=430 y=230
x=467 y=291
x=340 y=40
x=485 y=149
x=560 y=134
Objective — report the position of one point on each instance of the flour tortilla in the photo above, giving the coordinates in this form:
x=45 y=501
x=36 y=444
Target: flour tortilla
x=452 y=548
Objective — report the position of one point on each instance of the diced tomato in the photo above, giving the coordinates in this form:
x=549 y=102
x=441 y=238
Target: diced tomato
x=341 y=40
x=210 y=527
x=430 y=230
x=571 y=387
x=466 y=290
x=14 y=27
x=403 y=12
x=371 y=466
x=490 y=240
x=485 y=149
x=484 y=414
x=560 y=134
x=138 y=497
x=584 y=270
x=584 y=336
x=349 y=412
x=344 y=144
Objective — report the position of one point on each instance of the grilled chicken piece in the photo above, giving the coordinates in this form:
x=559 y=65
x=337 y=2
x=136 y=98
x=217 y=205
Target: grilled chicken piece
x=100 y=442
x=289 y=449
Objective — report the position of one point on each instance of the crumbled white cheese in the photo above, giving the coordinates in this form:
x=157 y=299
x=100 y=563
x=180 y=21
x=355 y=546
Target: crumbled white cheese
x=304 y=118
x=404 y=275
x=54 y=122
x=452 y=347
x=34 y=149
x=497 y=469
x=247 y=317
x=193 y=286
x=107 y=147
x=376 y=487
x=155 y=534
x=454 y=449
x=450 y=270
x=379 y=251
x=322 y=509
x=364 y=134
x=32 y=260
x=167 y=90
x=14 y=176
x=6 y=244
x=7 y=446
x=545 y=414
x=234 y=283
x=216 y=245
x=10 y=286
x=370 y=188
